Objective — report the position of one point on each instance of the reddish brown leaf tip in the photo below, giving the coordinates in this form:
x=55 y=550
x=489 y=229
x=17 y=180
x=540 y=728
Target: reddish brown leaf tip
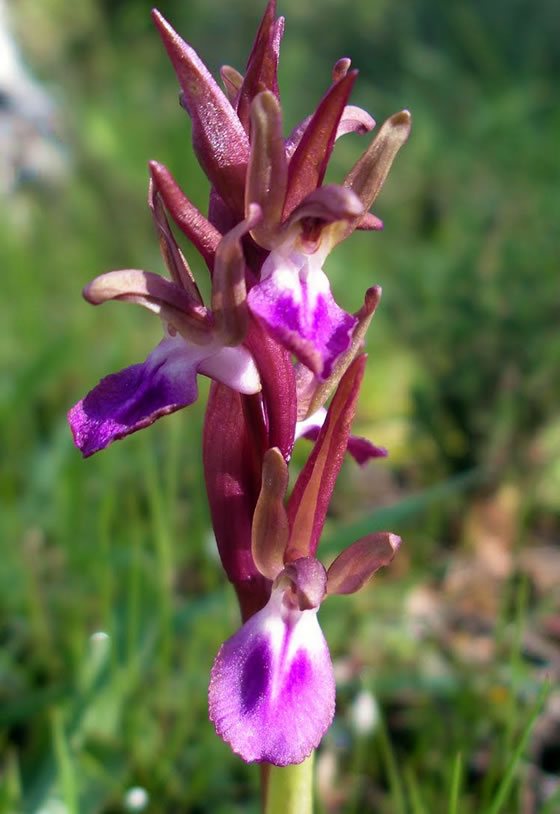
x=341 y=68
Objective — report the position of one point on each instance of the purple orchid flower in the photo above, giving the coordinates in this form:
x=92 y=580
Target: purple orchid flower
x=272 y=689
x=270 y=227
x=195 y=339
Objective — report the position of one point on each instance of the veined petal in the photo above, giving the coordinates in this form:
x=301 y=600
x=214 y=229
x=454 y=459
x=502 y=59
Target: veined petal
x=272 y=689
x=295 y=303
x=136 y=396
x=359 y=448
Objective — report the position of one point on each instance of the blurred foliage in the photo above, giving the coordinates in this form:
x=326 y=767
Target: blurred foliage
x=463 y=379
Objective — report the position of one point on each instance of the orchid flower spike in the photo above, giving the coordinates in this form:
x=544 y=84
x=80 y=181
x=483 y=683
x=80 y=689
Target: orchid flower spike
x=279 y=349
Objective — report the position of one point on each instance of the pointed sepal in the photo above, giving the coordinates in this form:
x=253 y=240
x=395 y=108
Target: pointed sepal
x=173 y=256
x=229 y=294
x=162 y=297
x=189 y=219
x=309 y=162
x=219 y=140
x=267 y=173
x=314 y=395
x=278 y=388
x=271 y=529
x=356 y=565
x=367 y=176
x=262 y=66
x=310 y=498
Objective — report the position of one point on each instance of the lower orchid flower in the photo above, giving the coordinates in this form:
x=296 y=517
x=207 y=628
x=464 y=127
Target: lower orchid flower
x=272 y=687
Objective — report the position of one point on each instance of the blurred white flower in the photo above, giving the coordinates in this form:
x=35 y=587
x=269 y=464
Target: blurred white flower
x=136 y=799
x=30 y=148
x=364 y=713
x=53 y=806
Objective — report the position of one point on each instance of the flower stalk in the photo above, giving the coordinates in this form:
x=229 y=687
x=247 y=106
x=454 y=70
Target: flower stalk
x=290 y=788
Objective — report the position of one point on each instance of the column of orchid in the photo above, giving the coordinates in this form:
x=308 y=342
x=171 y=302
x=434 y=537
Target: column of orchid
x=279 y=349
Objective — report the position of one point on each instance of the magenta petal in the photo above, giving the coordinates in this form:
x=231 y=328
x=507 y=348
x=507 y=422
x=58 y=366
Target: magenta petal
x=135 y=397
x=297 y=307
x=359 y=448
x=272 y=689
x=363 y=450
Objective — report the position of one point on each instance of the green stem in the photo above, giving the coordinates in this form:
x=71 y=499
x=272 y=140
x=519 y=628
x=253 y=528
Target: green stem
x=290 y=789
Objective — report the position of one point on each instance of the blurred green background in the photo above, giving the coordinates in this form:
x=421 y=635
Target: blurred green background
x=441 y=662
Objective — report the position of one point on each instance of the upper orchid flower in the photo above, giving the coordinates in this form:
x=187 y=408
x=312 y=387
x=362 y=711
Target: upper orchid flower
x=293 y=298
x=302 y=220
x=196 y=340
